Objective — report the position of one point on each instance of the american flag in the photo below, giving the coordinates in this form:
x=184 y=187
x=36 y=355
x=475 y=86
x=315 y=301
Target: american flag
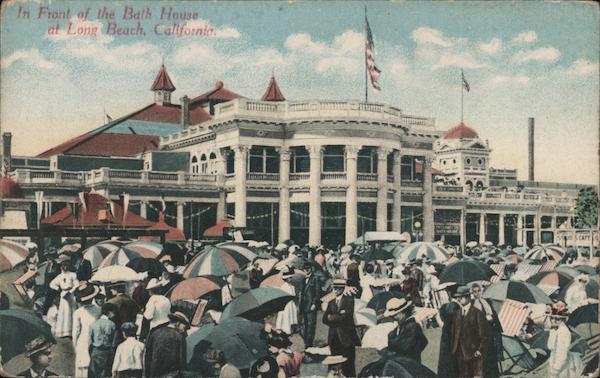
x=370 y=57
x=465 y=84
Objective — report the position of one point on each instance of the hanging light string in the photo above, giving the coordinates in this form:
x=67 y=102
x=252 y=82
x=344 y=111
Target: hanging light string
x=185 y=217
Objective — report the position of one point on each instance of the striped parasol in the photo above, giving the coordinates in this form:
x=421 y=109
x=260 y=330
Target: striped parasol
x=552 y=278
x=211 y=262
x=517 y=291
x=144 y=246
x=124 y=255
x=240 y=252
x=11 y=254
x=420 y=250
x=192 y=288
x=98 y=252
x=548 y=251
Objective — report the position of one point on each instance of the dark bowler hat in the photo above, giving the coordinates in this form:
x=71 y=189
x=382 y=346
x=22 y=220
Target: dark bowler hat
x=180 y=317
x=86 y=292
x=37 y=345
x=462 y=291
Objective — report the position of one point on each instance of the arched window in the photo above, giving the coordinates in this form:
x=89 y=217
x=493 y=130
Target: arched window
x=469 y=185
x=203 y=163
x=194 y=164
x=213 y=163
x=479 y=185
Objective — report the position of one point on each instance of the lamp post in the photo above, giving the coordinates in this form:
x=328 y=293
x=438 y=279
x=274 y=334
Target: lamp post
x=418 y=233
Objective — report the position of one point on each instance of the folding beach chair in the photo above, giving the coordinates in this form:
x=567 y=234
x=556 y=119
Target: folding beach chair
x=20 y=283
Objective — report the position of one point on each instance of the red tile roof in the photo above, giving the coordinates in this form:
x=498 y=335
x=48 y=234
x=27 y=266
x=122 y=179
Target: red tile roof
x=173 y=233
x=163 y=81
x=105 y=144
x=217 y=93
x=218 y=229
x=89 y=218
x=460 y=131
x=170 y=113
x=273 y=93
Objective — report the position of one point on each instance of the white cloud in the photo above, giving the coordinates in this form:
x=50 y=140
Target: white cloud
x=31 y=57
x=425 y=35
x=303 y=42
x=492 y=46
x=463 y=60
x=510 y=79
x=526 y=37
x=350 y=41
x=582 y=67
x=127 y=57
x=542 y=54
x=94 y=31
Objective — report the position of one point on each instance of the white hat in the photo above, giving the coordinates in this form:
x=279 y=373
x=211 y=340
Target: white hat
x=346 y=249
x=334 y=360
x=154 y=283
x=253 y=243
x=293 y=248
x=30 y=245
x=280 y=247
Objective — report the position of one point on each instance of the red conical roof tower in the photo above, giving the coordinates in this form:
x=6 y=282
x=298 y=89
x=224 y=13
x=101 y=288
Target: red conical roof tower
x=163 y=81
x=273 y=93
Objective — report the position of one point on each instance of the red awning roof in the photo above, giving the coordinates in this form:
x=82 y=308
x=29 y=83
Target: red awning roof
x=217 y=229
x=163 y=81
x=173 y=233
x=273 y=93
x=95 y=206
x=217 y=93
x=105 y=144
x=170 y=113
x=10 y=188
x=460 y=131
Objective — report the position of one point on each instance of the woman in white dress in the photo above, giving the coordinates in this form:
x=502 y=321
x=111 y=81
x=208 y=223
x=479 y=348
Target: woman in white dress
x=65 y=283
x=288 y=317
x=83 y=318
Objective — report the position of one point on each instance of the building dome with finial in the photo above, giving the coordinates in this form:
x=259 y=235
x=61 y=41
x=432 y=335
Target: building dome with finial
x=162 y=87
x=461 y=131
x=273 y=93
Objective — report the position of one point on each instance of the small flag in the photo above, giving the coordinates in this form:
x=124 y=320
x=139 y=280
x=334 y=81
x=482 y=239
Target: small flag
x=5 y=168
x=82 y=201
x=465 y=84
x=125 y=202
x=39 y=201
x=372 y=68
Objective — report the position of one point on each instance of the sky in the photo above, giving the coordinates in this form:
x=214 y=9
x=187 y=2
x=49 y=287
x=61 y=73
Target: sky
x=521 y=59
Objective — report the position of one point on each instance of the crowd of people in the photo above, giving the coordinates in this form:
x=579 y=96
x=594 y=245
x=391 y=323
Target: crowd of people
x=134 y=329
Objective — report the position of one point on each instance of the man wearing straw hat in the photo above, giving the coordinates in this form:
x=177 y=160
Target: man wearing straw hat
x=342 y=337
x=407 y=339
x=38 y=351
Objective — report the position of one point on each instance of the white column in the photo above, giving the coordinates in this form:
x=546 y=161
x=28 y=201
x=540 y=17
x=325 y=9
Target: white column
x=180 y=215
x=428 y=227
x=351 y=193
x=501 y=229
x=463 y=229
x=241 y=162
x=520 y=229
x=382 y=154
x=397 y=206
x=143 y=209
x=536 y=229
x=284 y=194
x=221 y=172
x=481 y=228
x=314 y=205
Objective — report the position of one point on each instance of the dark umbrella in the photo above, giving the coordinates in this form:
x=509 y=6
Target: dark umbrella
x=193 y=288
x=517 y=291
x=584 y=314
x=516 y=352
x=242 y=341
x=154 y=268
x=550 y=278
x=257 y=303
x=465 y=271
x=17 y=328
x=591 y=289
x=586 y=269
x=396 y=367
x=378 y=301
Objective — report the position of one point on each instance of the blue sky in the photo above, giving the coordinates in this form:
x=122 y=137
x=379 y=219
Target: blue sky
x=525 y=59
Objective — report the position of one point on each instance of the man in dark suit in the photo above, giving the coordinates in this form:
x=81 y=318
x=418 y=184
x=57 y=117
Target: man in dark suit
x=38 y=351
x=353 y=274
x=342 y=337
x=407 y=339
x=469 y=336
x=493 y=351
x=309 y=304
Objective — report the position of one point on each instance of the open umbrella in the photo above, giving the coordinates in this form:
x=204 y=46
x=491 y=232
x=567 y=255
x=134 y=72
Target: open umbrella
x=211 y=262
x=145 y=246
x=17 y=328
x=584 y=314
x=569 y=270
x=548 y=251
x=587 y=269
x=421 y=250
x=379 y=300
x=150 y=265
x=584 y=320
x=550 y=278
x=517 y=353
x=517 y=291
x=520 y=250
x=193 y=288
x=465 y=271
x=249 y=253
x=257 y=303
x=125 y=255
x=396 y=367
x=513 y=259
x=96 y=253
x=242 y=341
x=11 y=254
x=116 y=273
x=591 y=289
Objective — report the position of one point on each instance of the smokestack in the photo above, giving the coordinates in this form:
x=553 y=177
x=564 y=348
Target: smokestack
x=531 y=154
x=185 y=112
x=6 y=148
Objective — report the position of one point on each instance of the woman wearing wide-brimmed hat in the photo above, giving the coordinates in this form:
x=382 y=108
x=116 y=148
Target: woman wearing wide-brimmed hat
x=83 y=318
x=65 y=283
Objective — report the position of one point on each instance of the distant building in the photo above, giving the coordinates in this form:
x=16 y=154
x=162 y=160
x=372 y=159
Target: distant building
x=315 y=171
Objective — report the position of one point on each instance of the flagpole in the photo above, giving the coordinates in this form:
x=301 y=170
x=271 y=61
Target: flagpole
x=462 y=95
x=366 y=68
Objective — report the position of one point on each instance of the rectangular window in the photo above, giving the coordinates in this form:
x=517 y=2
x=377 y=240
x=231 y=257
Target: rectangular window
x=334 y=159
x=299 y=160
x=367 y=160
x=407 y=168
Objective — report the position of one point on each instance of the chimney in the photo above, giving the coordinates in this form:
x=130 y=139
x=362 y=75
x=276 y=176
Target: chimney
x=530 y=151
x=6 y=148
x=185 y=112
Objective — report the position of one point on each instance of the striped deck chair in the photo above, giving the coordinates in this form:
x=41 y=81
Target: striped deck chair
x=548 y=266
x=512 y=316
x=499 y=270
x=593 y=351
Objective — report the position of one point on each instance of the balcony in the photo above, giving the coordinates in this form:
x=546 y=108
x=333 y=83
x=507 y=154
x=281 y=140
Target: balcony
x=333 y=176
x=299 y=176
x=411 y=184
x=366 y=176
x=524 y=198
